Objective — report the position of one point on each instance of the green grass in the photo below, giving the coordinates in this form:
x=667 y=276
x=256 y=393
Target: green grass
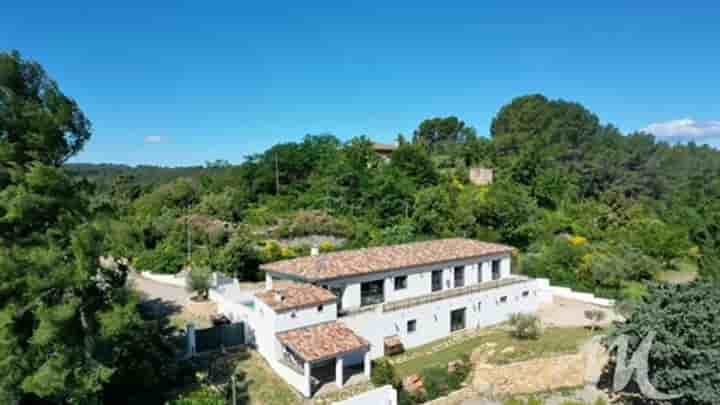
x=264 y=386
x=686 y=271
x=553 y=341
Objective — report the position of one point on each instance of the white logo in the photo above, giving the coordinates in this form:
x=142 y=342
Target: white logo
x=637 y=365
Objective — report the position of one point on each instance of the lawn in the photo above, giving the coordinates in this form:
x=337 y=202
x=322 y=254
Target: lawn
x=553 y=341
x=264 y=386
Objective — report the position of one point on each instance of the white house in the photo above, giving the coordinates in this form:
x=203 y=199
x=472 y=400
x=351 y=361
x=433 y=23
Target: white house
x=323 y=315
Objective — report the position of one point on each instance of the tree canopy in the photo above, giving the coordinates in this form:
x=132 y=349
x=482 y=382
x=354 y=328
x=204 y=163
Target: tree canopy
x=71 y=332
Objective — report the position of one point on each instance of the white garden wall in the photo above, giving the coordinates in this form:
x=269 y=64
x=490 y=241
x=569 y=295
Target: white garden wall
x=386 y=395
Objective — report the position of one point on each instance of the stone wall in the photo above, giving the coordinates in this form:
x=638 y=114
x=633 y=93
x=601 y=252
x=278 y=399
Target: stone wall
x=531 y=376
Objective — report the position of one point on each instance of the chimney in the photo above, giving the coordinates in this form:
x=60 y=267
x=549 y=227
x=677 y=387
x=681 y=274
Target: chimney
x=314 y=251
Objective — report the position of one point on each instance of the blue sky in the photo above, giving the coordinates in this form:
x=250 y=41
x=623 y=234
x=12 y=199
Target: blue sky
x=178 y=83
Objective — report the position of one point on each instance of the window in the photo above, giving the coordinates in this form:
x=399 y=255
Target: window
x=459 y=276
x=320 y=308
x=401 y=282
x=372 y=293
x=457 y=320
x=479 y=306
x=480 y=273
x=411 y=326
x=496 y=269
x=526 y=294
x=437 y=280
x=503 y=299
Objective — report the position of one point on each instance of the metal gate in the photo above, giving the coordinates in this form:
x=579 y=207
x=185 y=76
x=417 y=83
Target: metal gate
x=219 y=336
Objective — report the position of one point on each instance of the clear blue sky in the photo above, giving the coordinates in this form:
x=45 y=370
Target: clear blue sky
x=185 y=82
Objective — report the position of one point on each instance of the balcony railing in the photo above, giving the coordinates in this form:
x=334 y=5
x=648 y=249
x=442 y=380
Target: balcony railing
x=455 y=292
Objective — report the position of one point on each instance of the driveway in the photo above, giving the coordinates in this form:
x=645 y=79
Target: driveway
x=152 y=290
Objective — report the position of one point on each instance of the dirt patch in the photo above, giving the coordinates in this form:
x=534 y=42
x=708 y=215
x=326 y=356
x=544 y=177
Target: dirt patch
x=563 y=312
x=531 y=376
x=541 y=375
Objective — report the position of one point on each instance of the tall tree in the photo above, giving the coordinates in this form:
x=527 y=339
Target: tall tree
x=439 y=130
x=65 y=320
x=38 y=123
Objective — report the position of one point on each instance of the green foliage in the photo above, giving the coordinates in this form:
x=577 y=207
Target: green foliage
x=413 y=161
x=198 y=281
x=205 y=395
x=685 y=356
x=383 y=373
x=438 y=131
x=305 y=223
x=519 y=401
x=238 y=258
x=439 y=381
x=168 y=257
x=38 y=123
x=525 y=326
x=509 y=209
x=71 y=332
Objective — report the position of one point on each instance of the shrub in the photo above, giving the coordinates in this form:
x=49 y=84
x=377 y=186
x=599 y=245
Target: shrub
x=198 y=281
x=326 y=246
x=383 y=373
x=306 y=223
x=595 y=316
x=525 y=326
x=460 y=373
x=436 y=382
x=439 y=381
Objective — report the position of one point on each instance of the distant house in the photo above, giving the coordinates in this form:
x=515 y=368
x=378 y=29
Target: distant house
x=481 y=176
x=343 y=309
x=385 y=150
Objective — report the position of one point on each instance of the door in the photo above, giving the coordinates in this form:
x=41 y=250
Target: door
x=457 y=319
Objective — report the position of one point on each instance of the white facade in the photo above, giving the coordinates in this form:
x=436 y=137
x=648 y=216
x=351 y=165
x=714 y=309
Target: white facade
x=416 y=307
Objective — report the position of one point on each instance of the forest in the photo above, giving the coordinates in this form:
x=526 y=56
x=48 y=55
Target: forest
x=583 y=204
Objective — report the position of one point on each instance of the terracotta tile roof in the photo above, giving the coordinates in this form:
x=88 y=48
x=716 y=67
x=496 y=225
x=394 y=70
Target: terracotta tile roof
x=322 y=341
x=385 y=258
x=295 y=295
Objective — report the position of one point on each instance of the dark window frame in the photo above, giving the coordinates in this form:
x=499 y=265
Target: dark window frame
x=411 y=326
x=436 y=285
x=496 y=269
x=372 y=293
x=403 y=282
x=461 y=271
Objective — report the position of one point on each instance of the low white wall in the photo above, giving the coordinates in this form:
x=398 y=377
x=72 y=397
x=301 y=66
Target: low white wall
x=170 y=279
x=565 y=292
x=292 y=377
x=386 y=395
